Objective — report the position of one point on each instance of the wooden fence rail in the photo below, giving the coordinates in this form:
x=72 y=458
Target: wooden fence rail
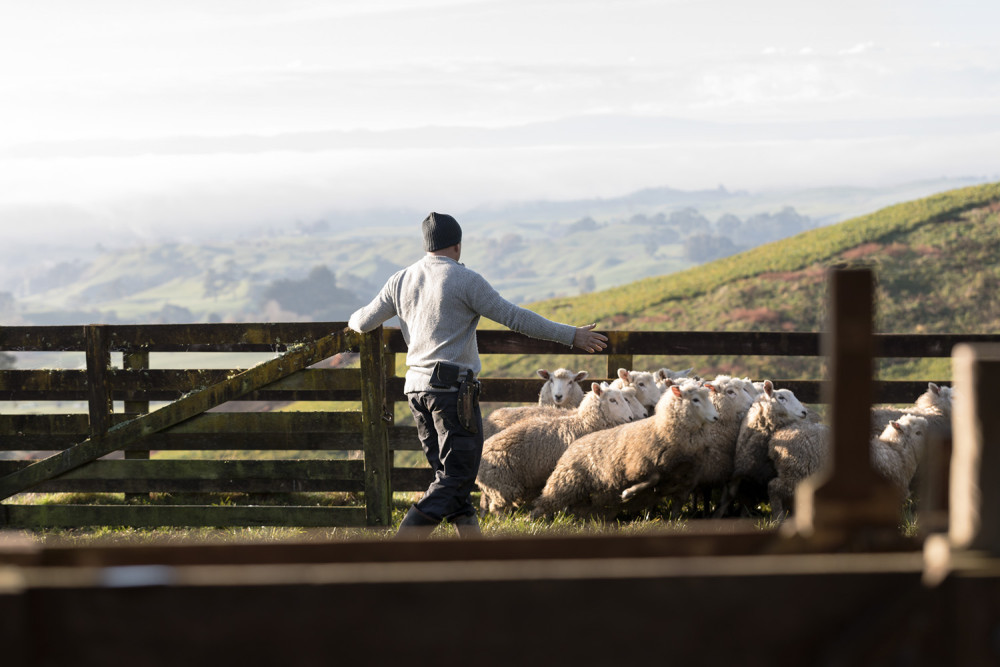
x=345 y=450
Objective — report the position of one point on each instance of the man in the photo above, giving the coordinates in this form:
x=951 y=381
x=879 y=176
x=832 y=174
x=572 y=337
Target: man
x=439 y=303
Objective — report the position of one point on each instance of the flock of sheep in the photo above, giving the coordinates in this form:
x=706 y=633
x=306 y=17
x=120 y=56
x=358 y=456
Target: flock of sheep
x=649 y=440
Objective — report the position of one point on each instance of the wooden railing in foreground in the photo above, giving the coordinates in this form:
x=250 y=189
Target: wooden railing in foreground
x=838 y=585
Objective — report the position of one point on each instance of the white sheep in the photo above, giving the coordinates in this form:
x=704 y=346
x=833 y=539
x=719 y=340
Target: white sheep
x=934 y=405
x=503 y=418
x=639 y=411
x=517 y=461
x=752 y=467
x=896 y=452
x=661 y=376
x=732 y=399
x=561 y=390
x=601 y=472
x=647 y=390
x=797 y=451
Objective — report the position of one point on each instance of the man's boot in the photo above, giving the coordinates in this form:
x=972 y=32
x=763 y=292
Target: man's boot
x=416 y=525
x=467 y=526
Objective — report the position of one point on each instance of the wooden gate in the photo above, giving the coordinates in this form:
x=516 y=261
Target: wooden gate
x=187 y=422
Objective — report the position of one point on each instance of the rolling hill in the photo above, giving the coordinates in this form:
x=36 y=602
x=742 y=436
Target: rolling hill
x=937 y=262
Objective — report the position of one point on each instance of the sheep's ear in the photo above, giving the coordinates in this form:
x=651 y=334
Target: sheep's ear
x=896 y=425
x=581 y=376
x=669 y=382
x=768 y=387
x=623 y=374
x=542 y=373
x=711 y=387
x=676 y=390
x=596 y=388
x=934 y=388
x=684 y=372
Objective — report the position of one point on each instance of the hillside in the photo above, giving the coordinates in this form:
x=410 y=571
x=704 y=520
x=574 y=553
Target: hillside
x=937 y=262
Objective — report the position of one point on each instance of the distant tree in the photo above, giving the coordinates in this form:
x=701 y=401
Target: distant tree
x=583 y=225
x=7 y=360
x=317 y=295
x=729 y=226
x=706 y=247
x=767 y=227
x=688 y=221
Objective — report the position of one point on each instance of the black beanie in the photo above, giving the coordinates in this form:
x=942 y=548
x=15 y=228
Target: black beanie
x=441 y=231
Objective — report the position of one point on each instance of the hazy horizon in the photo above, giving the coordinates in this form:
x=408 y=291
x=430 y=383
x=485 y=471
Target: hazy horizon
x=152 y=120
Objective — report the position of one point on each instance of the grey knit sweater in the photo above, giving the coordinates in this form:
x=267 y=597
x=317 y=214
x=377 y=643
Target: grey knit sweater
x=439 y=303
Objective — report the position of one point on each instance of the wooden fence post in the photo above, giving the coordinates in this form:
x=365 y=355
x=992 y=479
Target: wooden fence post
x=850 y=497
x=974 y=508
x=98 y=353
x=136 y=360
x=618 y=340
x=375 y=433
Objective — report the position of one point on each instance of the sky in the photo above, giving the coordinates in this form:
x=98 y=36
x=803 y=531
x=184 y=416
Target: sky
x=129 y=119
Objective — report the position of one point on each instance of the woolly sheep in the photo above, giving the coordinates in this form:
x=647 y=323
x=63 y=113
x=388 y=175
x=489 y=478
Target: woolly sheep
x=562 y=387
x=733 y=401
x=644 y=382
x=600 y=472
x=934 y=405
x=503 y=418
x=752 y=468
x=639 y=411
x=897 y=450
x=517 y=461
x=662 y=375
x=797 y=451
x=561 y=390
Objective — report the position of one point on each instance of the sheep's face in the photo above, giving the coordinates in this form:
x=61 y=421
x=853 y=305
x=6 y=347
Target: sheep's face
x=563 y=386
x=730 y=395
x=646 y=389
x=615 y=405
x=631 y=396
x=694 y=398
x=786 y=401
x=908 y=428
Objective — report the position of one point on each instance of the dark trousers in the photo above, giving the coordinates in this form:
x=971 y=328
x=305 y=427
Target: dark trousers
x=452 y=451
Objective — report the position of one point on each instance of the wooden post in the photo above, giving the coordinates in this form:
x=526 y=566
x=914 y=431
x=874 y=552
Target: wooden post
x=136 y=360
x=98 y=353
x=617 y=341
x=850 y=496
x=974 y=508
x=375 y=433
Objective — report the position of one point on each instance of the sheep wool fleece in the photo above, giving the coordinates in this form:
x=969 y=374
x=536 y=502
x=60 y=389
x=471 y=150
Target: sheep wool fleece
x=439 y=303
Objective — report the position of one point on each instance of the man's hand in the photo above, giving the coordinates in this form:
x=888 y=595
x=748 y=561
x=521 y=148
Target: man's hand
x=589 y=340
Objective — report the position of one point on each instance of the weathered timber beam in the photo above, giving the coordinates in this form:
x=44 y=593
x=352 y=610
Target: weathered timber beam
x=848 y=499
x=974 y=521
x=242 y=337
x=186 y=407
